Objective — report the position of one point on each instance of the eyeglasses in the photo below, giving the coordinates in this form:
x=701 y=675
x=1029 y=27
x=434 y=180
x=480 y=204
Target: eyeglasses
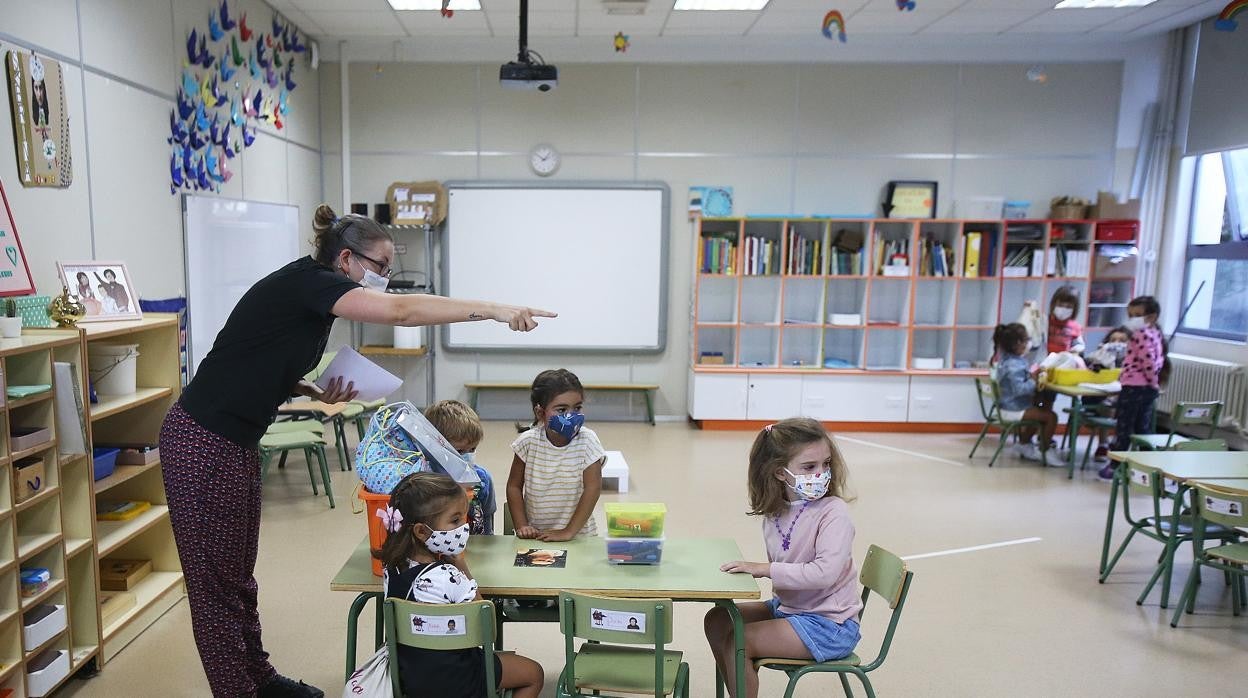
x=384 y=270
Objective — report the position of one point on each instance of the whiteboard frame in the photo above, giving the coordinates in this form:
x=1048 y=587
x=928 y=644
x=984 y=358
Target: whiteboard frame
x=664 y=281
x=191 y=367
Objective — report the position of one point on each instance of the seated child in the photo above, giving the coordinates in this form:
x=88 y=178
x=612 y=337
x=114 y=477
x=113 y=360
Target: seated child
x=1109 y=355
x=462 y=427
x=556 y=475
x=424 y=562
x=1018 y=390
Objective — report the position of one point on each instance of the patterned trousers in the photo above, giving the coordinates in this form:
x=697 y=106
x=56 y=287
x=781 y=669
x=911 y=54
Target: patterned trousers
x=1135 y=413
x=213 y=488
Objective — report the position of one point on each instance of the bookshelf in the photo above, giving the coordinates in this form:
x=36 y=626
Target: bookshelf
x=131 y=419
x=34 y=531
x=881 y=320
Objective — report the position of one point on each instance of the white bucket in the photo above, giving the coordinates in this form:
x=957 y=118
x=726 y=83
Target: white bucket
x=409 y=337
x=113 y=368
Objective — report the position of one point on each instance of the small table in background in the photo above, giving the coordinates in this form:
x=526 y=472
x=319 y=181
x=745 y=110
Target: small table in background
x=1076 y=393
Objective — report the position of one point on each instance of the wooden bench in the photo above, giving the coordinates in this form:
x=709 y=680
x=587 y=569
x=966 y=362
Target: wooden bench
x=475 y=388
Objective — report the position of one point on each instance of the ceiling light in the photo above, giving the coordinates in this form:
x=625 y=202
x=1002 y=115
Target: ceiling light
x=467 y=5
x=1100 y=4
x=713 y=5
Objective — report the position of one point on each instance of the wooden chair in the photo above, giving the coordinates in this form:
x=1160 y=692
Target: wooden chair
x=883 y=573
x=611 y=661
x=478 y=617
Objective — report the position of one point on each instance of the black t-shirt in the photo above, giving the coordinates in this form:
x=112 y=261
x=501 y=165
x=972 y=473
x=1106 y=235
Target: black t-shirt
x=273 y=337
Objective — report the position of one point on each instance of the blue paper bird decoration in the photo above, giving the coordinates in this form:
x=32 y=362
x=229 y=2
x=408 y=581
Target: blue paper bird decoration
x=205 y=57
x=290 y=81
x=201 y=117
x=236 y=117
x=188 y=162
x=224 y=69
x=186 y=106
x=253 y=66
x=214 y=132
x=281 y=102
x=192 y=48
x=214 y=27
x=277 y=27
x=175 y=172
x=230 y=149
x=249 y=136
x=270 y=76
x=195 y=138
x=189 y=84
x=264 y=62
x=177 y=129
x=224 y=140
x=226 y=22
x=211 y=166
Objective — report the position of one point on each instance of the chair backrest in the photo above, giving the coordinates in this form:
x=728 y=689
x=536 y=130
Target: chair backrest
x=321 y=366
x=616 y=621
x=1202 y=445
x=986 y=391
x=439 y=627
x=885 y=574
x=1196 y=413
x=1219 y=505
x=1146 y=481
x=509 y=525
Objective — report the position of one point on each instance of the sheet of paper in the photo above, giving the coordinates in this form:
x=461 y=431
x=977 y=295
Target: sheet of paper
x=545 y=557
x=372 y=382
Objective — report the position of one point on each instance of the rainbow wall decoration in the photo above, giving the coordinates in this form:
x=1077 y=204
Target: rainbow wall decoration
x=1226 y=21
x=834 y=19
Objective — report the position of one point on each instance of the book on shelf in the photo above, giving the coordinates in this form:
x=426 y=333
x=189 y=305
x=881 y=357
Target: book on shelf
x=892 y=253
x=762 y=256
x=1018 y=260
x=805 y=256
x=935 y=257
x=842 y=263
x=974 y=245
x=718 y=255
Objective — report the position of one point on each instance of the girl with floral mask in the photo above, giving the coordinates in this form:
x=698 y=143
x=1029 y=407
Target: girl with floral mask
x=423 y=555
x=556 y=474
x=797 y=485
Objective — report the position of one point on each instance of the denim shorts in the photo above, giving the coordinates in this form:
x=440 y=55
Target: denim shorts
x=825 y=638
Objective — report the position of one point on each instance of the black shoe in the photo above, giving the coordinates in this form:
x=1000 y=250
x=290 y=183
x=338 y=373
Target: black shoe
x=282 y=687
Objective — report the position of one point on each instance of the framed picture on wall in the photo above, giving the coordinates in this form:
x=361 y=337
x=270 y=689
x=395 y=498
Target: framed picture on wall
x=910 y=200
x=105 y=288
x=40 y=120
x=14 y=272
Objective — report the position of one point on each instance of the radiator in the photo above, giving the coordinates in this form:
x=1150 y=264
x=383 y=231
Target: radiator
x=1193 y=379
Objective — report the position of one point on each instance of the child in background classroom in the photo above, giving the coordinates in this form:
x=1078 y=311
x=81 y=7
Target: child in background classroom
x=797 y=484
x=1109 y=355
x=556 y=475
x=1144 y=369
x=1017 y=388
x=427 y=520
x=462 y=427
x=1065 y=333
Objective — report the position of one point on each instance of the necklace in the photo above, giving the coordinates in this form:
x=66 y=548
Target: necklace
x=786 y=537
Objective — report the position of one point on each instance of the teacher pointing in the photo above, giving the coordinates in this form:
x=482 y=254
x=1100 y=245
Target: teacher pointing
x=209 y=441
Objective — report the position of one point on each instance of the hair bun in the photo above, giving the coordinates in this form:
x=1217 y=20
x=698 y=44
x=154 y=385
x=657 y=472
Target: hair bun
x=323 y=219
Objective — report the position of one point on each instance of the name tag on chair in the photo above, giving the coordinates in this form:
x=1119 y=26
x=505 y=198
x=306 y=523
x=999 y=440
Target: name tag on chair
x=1222 y=506
x=1139 y=477
x=438 y=625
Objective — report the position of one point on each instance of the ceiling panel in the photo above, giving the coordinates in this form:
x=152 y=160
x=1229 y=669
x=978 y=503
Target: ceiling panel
x=921 y=7
x=512 y=7
x=432 y=23
x=708 y=23
x=1070 y=20
x=889 y=22
x=986 y=22
x=1139 y=18
x=540 y=23
x=341 y=5
x=358 y=23
x=596 y=21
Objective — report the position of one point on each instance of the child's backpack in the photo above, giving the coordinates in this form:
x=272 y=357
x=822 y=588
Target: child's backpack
x=387 y=453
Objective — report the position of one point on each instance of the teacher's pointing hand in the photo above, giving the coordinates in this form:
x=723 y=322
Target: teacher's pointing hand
x=520 y=318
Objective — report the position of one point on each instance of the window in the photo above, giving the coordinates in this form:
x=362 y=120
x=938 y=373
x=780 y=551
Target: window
x=1217 y=248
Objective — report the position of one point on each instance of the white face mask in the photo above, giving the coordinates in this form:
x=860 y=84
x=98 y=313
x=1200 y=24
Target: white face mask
x=1135 y=323
x=811 y=486
x=451 y=542
x=1062 y=312
x=372 y=279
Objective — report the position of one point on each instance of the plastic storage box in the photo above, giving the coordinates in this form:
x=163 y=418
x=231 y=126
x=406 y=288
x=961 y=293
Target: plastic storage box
x=1117 y=231
x=1075 y=376
x=105 y=461
x=43 y=672
x=34 y=581
x=634 y=520
x=42 y=623
x=635 y=551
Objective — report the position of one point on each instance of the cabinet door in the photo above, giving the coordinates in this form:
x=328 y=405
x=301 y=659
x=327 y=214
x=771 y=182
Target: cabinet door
x=855 y=398
x=718 y=395
x=774 y=396
x=944 y=399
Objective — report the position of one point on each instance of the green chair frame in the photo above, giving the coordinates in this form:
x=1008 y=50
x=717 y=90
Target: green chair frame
x=337 y=422
x=1185 y=414
x=883 y=573
x=509 y=610
x=478 y=617
x=1201 y=445
x=575 y=611
x=313 y=447
x=1230 y=558
x=1159 y=526
x=987 y=388
x=1095 y=420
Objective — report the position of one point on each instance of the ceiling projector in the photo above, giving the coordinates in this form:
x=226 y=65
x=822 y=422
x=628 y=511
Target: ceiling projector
x=525 y=75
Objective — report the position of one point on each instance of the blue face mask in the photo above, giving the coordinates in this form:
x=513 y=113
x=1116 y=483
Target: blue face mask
x=566 y=425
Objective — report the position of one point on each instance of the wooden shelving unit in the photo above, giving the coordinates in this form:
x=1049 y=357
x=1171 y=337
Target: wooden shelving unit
x=776 y=300
x=130 y=419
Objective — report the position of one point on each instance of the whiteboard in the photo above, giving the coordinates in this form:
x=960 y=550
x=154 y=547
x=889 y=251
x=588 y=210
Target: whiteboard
x=594 y=253
x=230 y=245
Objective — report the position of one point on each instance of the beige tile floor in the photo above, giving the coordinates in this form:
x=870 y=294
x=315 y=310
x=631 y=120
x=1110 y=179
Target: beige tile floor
x=1023 y=620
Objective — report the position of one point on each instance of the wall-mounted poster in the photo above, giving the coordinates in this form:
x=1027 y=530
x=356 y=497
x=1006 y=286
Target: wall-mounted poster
x=14 y=273
x=40 y=122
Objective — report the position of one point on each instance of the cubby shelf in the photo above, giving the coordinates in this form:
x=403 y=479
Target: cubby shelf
x=29 y=546
x=114 y=534
x=109 y=406
x=55 y=586
x=146 y=592
x=121 y=474
x=930 y=290
x=31 y=400
x=47 y=493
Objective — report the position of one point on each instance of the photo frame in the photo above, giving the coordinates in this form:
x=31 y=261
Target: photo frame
x=40 y=120
x=910 y=199
x=105 y=288
x=15 y=279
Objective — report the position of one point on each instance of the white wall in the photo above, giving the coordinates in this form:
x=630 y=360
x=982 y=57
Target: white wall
x=122 y=61
x=802 y=139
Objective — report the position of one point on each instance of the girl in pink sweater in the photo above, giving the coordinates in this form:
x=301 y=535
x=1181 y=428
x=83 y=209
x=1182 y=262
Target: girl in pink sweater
x=796 y=481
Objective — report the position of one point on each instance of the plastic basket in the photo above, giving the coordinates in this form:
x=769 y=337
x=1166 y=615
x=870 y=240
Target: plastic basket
x=1075 y=376
x=374 y=503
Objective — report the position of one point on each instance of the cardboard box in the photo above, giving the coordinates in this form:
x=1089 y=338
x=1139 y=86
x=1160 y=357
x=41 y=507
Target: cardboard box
x=122 y=575
x=114 y=603
x=1108 y=208
x=137 y=455
x=417 y=203
x=29 y=478
x=22 y=438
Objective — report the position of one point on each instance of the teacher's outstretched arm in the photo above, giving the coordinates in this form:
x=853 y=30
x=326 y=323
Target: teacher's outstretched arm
x=414 y=310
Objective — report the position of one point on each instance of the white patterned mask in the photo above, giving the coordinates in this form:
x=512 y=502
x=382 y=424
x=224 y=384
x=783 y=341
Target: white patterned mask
x=451 y=542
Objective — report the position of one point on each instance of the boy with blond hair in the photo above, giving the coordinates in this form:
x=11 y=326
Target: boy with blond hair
x=462 y=427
